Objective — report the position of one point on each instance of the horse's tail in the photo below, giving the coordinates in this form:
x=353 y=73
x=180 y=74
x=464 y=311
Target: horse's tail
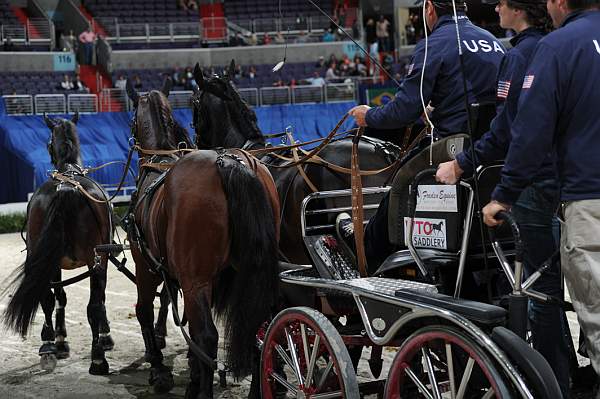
x=33 y=277
x=246 y=293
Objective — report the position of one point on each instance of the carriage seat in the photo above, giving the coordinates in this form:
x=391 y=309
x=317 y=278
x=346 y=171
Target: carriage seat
x=482 y=314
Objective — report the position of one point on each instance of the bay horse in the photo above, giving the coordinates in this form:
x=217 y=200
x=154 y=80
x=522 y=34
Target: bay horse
x=205 y=222
x=221 y=118
x=63 y=228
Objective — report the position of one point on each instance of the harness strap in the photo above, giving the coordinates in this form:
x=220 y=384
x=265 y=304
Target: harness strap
x=300 y=167
x=357 y=207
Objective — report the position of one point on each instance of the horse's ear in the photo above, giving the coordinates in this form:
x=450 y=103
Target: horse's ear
x=167 y=86
x=199 y=76
x=132 y=93
x=75 y=118
x=231 y=70
x=49 y=122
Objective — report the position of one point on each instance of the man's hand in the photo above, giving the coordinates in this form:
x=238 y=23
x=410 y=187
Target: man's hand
x=490 y=211
x=448 y=172
x=360 y=113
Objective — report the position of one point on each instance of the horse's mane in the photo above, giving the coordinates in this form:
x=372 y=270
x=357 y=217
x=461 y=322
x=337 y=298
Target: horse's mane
x=243 y=115
x=66 y=145
x=173 y=132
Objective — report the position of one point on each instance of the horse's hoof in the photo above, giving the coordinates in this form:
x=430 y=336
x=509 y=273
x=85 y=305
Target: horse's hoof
x=106 y=342
x=62 y=350
x=48 y=361
x=160 y=341
x=161 y=379
x=99 y=367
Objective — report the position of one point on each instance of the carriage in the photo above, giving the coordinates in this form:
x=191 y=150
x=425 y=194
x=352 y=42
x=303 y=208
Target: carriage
x=447 y=345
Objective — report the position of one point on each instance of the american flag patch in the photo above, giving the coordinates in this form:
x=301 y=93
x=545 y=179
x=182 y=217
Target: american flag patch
x=528 y=81
x=503 y=88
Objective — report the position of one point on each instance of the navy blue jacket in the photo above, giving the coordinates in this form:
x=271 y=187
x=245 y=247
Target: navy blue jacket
x=442 y=84
x=494 y=144
x=558 y=113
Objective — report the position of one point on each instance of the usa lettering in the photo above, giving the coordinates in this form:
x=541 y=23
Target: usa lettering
x=483 y=45
x=597 y=46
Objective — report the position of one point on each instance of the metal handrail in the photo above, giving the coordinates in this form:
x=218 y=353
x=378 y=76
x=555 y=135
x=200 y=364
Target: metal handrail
x=44 y=104
x=82 y=103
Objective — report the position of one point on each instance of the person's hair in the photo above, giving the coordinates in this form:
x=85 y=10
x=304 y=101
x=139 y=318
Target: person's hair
x=447 y=9
x=536 y=14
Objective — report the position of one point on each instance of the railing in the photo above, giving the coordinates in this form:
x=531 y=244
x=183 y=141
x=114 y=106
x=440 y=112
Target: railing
x=82 y=103
x=307 y=94
x=340 y=92
x=18 y=104
x=250 y=96
x=180 y=99
x=316 y=24
x=275 y=95
x=214 y=29
x=115 y=100
x=146 y=32
x=16 y=33
x=50 y=104
x=42 y=27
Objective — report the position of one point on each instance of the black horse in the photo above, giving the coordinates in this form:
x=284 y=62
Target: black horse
x=63 y=227
x=223 y=119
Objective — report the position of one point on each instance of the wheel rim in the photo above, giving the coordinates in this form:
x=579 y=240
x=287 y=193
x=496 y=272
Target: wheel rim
x=422 y=368
x=298 y=361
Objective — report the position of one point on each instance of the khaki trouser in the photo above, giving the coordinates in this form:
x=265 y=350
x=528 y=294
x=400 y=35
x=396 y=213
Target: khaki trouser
x=580 y=257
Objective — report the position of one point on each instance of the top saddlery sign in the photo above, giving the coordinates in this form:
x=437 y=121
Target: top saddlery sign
x=429 y=232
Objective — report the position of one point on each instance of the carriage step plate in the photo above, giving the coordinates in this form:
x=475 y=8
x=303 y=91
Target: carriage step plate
x=389 y=286
x=337 y=263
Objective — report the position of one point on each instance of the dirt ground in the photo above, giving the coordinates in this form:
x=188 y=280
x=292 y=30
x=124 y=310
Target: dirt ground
x=22 y=377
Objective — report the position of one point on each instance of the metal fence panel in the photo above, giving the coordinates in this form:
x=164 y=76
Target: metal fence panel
x=275 y=95
x=307 y=94
x=340 y=92
x=158 y=31
x=15 y=32
x=186 y=29
x=113 y=100
x=262 y=25
x=180 y=99
x=250 y=95
x=18 y=104
x=132 y=31
x=42 y=27
x=82 y=103
x=50 y=104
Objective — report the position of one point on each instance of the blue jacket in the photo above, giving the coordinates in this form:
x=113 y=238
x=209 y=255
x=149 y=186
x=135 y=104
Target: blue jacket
x=494 y=144
x=442 y=83
x=558 y=113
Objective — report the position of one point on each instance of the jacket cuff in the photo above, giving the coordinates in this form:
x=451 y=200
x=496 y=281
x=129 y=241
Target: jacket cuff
x=465 y=163
x=505 y=196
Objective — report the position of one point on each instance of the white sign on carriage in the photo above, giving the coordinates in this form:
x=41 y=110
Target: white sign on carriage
x=427 y=233
x=437 y=198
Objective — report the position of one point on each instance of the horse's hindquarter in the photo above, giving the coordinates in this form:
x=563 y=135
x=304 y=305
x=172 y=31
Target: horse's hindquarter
x=196 y=215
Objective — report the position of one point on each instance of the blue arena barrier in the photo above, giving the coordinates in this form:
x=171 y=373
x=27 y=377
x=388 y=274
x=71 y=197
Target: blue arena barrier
x=25 y=163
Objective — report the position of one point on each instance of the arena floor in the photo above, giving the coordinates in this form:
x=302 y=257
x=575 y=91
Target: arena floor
x=22 y=377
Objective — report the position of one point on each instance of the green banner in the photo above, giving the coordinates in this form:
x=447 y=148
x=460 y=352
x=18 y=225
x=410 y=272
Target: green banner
x=381 y=96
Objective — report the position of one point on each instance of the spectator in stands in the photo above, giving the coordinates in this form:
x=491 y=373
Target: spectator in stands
x=121 y=82
x=266 y=39
x=302 y=37
x=237 y=74
x=253 y=39
x=316 y=80
x=177 y=76
x=279 y=39
x=68 y=42
x=137 y=82
x=13 y=104
x=371 y=34
x=252 y=73
x=236 y=40
x=278 y=83
x=383 y=34
x=79 y=85
x=191 y=5
x=87 y=39
x=328 y=36
x=66 y=83
x=321 y=62
x=181 y=5
x=8 y=45
x=331 y=74
x=190 y=82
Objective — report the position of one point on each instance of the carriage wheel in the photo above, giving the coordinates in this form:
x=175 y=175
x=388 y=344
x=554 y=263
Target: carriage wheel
x=303 y=356
x=442 y=362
